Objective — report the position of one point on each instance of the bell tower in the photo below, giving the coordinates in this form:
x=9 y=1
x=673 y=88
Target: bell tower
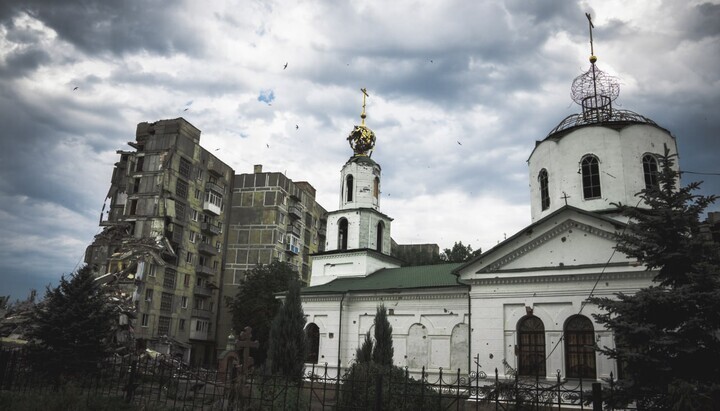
x=358 y=234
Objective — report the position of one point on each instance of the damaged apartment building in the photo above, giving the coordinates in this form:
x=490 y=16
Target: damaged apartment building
x=166 y=236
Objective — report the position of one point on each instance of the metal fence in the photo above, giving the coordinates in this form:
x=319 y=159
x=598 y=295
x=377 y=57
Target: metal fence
x=163 y=383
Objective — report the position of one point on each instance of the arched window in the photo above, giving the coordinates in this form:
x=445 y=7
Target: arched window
x=579 y=347
x=379 y=239
x=376 y=187
x=342 y=234
x=544 y=193
x=349 y=188
x=650 y=171
x=590 y=177
x=531 y=346
x=312 y=337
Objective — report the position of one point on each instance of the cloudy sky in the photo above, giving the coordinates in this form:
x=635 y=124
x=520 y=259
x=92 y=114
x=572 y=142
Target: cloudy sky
x=459 y=93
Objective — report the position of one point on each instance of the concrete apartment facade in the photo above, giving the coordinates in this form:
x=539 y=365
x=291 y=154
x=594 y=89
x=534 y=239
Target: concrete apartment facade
x=271 y=218
x=165 y=225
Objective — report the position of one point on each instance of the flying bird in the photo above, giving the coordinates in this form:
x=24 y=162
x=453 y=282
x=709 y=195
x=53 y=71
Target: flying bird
x=186 y=108
x=268 y=145
x=296 y=127
x=459 y=143
x=285 y=66
x=217 y=149
x=431 y=61
x=76 y=87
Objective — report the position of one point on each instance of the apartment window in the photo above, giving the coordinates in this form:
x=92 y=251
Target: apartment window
x=133 y=207
x=149 y=294
x=169 y=278
x=579 y=347
x=192 y=236
x=590 y=177
x=216 y=264
x=136 y=185
x=180 y=211
x=202 y=326
x=151 y=269
x=186 y=281
x=189 y=257
x=544 y=192
x=650 y=171
x=164 y=325
x=531 y=346
x=185 y=168
x=181 y=324
x=213 y=198
x=181 y=188
x=145 y=320
x=194 y=215
x=166 y=302
x=198 y=174
x=183 y=302
x=140 y=163
x=198 y=194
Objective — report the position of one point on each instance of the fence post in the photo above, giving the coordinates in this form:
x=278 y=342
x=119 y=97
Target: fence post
x=422 y=386
x=131 y=382
x=497 y=390
x=457 y=392
x=597 y=396
x=559 y=391
x=612 y=392
x=582 y=399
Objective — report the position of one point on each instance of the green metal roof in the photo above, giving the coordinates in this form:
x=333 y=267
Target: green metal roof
x=423 y=276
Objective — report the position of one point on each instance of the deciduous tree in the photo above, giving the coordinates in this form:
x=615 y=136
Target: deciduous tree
x=255 y=304
x=459 y=253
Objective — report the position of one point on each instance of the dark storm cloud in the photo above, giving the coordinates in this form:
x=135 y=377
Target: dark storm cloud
x=34 y=135
x=440 y=69
x=22 y=61
x=704 y=21
x=117 y=27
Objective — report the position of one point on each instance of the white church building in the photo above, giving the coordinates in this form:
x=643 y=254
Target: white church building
x=522 y=303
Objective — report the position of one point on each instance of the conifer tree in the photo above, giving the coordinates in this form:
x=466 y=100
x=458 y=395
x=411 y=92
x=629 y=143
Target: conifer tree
x=382 y=353
x=363 y=354
x=72 y=327
x=287 y=336
x=667 y=336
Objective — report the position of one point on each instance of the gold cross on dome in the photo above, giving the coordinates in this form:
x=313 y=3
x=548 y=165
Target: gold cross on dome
x=363 y=115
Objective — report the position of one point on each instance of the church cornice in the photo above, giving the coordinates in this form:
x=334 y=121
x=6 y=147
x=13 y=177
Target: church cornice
x=561 y=278
x=356 y=252
x=356 y=209
x=544 y=238
x=408 y=297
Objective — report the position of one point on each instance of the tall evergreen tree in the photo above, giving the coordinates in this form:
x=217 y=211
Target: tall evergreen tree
x=255 y=304
x=667 y=336
x=382 y=353
x=363 y=354
x=288 y=346
x=72 y=326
